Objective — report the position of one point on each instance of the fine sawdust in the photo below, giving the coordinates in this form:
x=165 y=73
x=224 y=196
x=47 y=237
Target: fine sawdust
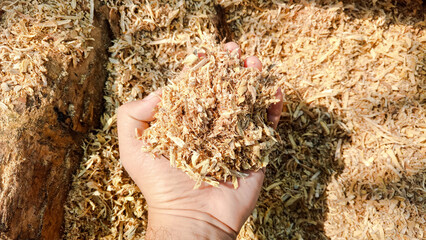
x=352 y=163
x=212 y=119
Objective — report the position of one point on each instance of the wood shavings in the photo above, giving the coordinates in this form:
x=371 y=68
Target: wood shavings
x=357 y=195
x=211 y=121
x=30 y=35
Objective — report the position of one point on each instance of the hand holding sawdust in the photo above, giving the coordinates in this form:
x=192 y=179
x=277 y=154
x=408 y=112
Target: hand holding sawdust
x=212 y=118
x=173 y=203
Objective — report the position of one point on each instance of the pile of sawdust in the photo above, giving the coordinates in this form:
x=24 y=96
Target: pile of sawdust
x=353 y=74
x=212 y=119
x=30 y=33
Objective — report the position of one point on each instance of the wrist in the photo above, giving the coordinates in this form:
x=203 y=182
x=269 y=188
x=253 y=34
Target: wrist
x=186 y=224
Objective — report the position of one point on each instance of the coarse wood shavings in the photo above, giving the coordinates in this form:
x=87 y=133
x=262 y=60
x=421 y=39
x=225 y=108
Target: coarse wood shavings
x=347 y=66
x=212 y=119
x=31 y=33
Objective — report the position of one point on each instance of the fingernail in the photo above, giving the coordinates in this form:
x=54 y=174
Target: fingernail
x=253 y=62
x=232 y=46
x=153 y=95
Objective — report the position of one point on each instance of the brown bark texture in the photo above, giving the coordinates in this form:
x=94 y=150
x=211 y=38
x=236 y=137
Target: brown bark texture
x=40 y=142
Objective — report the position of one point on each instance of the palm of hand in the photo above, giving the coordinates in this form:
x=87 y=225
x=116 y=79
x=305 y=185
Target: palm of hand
x=168 y=188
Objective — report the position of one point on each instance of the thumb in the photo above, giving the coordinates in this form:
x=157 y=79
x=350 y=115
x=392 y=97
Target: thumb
x=134 y=117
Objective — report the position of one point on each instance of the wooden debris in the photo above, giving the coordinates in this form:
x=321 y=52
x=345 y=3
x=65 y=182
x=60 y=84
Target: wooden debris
x=30 y=33
x=52 y=77
x=211 y=121
x=356 y=66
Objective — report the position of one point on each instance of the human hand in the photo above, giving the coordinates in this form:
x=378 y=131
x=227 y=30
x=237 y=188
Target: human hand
x=176 y=210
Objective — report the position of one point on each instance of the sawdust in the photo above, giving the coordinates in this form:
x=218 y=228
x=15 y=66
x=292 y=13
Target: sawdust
x=212 y=119
x=32 y=31
x=353 y=132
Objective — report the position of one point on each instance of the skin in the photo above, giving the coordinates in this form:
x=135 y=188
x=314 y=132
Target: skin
x=176 y=210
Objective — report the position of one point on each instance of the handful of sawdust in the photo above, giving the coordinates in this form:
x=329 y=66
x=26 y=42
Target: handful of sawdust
x=212 y=119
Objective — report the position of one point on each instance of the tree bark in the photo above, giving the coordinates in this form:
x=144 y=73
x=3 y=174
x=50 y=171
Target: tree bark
x=40 y=143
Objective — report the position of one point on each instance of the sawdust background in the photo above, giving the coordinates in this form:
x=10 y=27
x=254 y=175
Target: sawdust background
x=353 y=162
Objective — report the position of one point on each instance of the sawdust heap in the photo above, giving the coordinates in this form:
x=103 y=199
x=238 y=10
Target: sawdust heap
x=31 y=33
x=212 y=119
x=346 y=67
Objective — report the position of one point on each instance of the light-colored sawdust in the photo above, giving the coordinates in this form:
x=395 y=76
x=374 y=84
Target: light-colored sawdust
x=30 y=32
x=352 y=163
x=212 y=119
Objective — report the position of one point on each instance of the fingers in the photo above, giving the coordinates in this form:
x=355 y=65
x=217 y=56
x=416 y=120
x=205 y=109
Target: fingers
x=135 y=115
x=201 y=55
x=250 y=62
x=253 y=62
x=231 y=46
x=274 y=111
